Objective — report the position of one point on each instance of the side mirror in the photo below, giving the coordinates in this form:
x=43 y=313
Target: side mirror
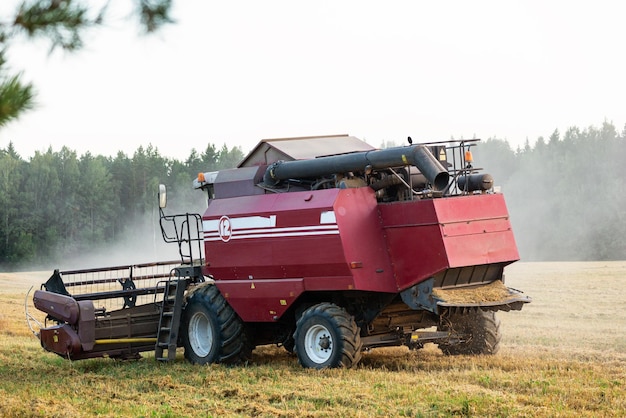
x=162 y=196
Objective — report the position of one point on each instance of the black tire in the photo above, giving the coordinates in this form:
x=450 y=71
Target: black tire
x=212 y=332
x=478 y=331
x=327 y=336
x=289 y=345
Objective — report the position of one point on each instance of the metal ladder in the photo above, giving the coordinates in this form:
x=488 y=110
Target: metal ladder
x=169 y=321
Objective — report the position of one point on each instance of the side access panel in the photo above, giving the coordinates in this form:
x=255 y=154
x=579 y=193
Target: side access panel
x=265 y=251
x=427 y=237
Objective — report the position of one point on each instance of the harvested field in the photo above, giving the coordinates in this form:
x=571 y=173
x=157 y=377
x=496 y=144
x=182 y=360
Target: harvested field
x=562 y=355
x=578 y=307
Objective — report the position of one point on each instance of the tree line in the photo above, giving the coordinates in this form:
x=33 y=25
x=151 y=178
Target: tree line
x=57 y=204
x=566 y=194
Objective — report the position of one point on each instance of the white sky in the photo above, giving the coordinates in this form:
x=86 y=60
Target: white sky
x=236 y=72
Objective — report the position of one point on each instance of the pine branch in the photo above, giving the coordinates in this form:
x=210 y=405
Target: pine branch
x=61 y=21
x=15 y=98
x=154 y=13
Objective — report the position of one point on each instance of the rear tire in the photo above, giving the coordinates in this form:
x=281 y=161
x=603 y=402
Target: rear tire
x=478 y=330
x=212 y=332
x=327 y=336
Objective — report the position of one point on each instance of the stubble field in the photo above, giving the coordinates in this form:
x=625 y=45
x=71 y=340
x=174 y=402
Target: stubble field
x=562 y=355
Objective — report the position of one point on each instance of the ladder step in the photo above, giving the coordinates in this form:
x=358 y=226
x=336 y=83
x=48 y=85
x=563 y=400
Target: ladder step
x=166 y=359
x=171 y=310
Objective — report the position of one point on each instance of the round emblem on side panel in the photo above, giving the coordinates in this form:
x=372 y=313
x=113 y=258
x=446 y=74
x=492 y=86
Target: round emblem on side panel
x=225 y=228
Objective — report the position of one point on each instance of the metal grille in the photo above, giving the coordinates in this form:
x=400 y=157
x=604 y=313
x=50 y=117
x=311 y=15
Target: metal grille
x=114 y=288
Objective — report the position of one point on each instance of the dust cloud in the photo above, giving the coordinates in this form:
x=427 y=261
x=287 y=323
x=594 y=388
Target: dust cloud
x=566 y=202
x=141 y=242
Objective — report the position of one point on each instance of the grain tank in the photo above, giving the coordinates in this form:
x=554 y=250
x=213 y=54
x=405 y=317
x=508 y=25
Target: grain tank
x=329 y=247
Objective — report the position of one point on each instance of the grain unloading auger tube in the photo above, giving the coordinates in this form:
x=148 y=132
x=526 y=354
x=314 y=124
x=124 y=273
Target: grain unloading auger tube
x=417 y=155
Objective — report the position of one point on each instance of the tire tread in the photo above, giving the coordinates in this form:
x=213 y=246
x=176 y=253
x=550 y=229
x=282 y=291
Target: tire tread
x=351 y=345
x=234 y=345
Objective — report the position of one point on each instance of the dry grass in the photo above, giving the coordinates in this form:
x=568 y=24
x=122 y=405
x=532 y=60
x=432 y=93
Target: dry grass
x=563 y=355
x=577 y=307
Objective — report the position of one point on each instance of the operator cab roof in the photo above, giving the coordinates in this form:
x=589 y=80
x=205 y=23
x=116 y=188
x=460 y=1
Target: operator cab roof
x=302 y=148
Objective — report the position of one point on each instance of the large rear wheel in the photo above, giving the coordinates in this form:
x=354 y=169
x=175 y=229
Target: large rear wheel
x=327 y=336
x=474 y=332
x=212 y=332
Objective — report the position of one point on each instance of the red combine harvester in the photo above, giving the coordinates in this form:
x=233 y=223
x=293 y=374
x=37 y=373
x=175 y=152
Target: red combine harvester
x=323 y=245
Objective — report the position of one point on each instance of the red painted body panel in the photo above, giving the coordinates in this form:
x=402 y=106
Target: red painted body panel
x=428 y=236
x=261 y=300
x=363 y=239
x=264 y=251
x=310 y=237
x=294 y=245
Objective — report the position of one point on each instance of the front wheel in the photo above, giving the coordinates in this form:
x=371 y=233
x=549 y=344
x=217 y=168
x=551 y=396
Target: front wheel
x=212 y=332
x=327 y=336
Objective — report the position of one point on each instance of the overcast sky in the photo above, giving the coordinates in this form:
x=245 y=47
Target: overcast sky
x=236 y=72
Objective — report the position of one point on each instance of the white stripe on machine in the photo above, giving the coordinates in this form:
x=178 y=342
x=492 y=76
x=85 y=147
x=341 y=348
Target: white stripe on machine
x=265 y=227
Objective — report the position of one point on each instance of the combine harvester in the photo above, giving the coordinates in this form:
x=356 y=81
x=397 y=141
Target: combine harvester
x=322 y=245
